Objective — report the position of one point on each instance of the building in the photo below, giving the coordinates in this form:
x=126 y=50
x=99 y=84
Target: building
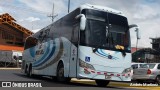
x=134 y=49
x=146 y=55
x=156 y=43
x=12 y=37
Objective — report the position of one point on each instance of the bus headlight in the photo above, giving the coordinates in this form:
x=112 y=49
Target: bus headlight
x=85 y=65
x=127 y=70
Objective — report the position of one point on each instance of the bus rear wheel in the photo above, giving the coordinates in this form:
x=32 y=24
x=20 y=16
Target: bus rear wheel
x=102 y=83
x=29 y=73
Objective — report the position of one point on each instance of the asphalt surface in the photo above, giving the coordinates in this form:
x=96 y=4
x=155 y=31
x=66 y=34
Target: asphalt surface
x=15 y=75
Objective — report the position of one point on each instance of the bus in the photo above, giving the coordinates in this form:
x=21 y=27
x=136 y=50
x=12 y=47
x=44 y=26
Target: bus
x=91 y=42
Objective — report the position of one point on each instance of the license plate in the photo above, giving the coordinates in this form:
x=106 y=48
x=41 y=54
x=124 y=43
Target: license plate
x=108 y=77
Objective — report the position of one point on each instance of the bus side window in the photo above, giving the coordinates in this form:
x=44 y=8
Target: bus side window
x=30 y=42
x=75 y=35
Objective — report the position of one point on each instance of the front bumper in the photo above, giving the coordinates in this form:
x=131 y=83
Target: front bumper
x=103 y=75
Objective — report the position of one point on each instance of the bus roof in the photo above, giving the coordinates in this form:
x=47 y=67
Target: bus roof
x=89 y=6
x=101 y=8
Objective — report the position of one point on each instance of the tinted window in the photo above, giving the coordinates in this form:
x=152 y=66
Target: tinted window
x=105 y=30
x=20 y=57
x=75 y=34
x=135 y=66
x=30 y=42
x=141 y=65
x=150 y=66
x=158 y=66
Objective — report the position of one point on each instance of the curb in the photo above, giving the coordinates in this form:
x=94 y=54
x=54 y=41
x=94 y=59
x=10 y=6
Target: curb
x=116 y=84
x=10 y=68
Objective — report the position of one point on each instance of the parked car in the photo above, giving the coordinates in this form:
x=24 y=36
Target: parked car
x=147 y=72
x=135 y=66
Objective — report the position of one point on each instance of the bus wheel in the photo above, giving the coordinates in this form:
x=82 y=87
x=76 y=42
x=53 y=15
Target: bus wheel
x=30 y=71
x=26 y=72
x=158 y=80
x=102 y=83
x=54 y=78
x=60 y=73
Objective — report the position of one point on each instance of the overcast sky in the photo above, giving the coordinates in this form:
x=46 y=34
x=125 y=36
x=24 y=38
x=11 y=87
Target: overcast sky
x=32 y=14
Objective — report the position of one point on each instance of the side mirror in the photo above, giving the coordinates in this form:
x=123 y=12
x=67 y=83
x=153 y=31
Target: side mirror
x=136 y=30
x=82 y=21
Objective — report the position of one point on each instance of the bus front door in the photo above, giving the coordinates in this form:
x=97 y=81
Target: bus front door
x=74 y=52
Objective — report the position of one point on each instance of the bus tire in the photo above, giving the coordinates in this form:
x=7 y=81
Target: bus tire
x=54 y=78
x=60 y=74
x=102 y=83
x=30 y=71
x=26 y=68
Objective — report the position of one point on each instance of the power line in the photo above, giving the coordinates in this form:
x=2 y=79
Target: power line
x=52 y=15
x=68 y=5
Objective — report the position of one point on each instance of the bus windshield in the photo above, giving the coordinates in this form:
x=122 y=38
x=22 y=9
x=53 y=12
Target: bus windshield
x=105 y=30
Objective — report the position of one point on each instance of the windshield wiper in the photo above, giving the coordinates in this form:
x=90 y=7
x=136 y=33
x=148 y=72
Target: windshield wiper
x=95 y=49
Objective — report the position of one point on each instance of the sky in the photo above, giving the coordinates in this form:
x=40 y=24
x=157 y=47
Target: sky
x=33 y=14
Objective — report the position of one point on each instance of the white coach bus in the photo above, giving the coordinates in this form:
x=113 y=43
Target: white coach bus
x=91 y=42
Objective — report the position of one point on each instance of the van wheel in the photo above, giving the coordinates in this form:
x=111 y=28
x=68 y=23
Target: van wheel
x=102 y=83
x=158 y=80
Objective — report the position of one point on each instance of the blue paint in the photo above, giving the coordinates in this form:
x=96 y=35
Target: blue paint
x=42 y=60
x=100 y=51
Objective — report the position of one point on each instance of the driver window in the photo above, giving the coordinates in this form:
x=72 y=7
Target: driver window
x=75 y=35
x=158 y=66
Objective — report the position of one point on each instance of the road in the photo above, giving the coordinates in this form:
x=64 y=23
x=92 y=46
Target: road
x=16 y=75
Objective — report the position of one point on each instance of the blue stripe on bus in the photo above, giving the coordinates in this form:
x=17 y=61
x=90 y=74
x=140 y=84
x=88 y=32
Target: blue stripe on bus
x=105 y=55
x=100 y=51
x=113 y=57
x=49 y=56
x=44 y=55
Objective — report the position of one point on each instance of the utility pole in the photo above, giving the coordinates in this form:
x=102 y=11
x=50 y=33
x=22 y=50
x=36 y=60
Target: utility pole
x=52 y=15
x=68 y=5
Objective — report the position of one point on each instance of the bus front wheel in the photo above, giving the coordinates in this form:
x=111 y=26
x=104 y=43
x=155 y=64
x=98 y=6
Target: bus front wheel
x=60 y=74
x=102 y=83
